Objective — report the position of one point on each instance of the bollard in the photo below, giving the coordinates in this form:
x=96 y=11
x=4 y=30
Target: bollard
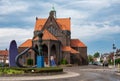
x=118 y=67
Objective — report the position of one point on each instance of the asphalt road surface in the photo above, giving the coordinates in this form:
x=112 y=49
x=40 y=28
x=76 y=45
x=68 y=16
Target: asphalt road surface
x=91 y=73
x=87 y=73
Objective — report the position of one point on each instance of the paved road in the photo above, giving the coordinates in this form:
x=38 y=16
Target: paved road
x=91 y=73
x=87 y=73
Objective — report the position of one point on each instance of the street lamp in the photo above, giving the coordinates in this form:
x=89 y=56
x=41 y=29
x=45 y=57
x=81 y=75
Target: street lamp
x=114 y=53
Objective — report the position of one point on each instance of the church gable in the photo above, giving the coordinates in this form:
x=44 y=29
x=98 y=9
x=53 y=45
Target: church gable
x=49 y=23
x=59 y=23
x=52 y=26
x=64 y=23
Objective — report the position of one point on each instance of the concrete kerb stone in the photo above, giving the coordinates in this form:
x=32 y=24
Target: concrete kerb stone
x=25 y=78
x=118 y=73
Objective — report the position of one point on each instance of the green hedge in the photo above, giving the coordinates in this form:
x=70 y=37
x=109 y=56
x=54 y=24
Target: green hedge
x=42 y=70
x=8 y=71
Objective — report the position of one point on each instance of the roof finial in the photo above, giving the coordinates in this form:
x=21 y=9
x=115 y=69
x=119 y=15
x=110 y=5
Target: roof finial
x=53 y=12
x=53 y=8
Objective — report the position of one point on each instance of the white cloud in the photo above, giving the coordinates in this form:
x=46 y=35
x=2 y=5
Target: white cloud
x=8 y=7
x=71 y=13
x=93 y=32
x=88 y=4
x=18 y=34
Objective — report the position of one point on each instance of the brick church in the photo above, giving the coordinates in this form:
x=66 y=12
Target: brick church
x=57 y=42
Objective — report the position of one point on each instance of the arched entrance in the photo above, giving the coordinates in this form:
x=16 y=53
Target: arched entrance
x=45 y=53
x=53 y=53
x=36 y=47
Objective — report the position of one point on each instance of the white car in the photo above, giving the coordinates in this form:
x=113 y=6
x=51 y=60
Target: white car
x=97 y=63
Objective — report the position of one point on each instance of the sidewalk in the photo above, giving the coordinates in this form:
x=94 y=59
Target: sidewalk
x=27 y=78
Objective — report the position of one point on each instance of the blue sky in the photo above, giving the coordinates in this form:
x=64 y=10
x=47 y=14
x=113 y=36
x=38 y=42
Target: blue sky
x=95 y=22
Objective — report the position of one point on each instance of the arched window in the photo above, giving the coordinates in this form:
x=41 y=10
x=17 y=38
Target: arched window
x=45 y=53
x=45 y=50
x=53 y=50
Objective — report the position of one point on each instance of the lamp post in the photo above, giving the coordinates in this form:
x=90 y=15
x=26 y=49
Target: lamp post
x=114 y=53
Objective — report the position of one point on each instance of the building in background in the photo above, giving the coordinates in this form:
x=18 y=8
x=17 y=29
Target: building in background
x=57 y=41
x=4 y=56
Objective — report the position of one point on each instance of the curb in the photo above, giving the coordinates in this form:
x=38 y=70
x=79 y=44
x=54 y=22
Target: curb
x=27 y=78
x=118 y=74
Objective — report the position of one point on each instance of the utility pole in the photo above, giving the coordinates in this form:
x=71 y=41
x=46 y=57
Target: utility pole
x=114 y=53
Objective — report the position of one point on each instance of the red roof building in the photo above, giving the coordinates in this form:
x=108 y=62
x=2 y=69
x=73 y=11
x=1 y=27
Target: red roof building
x=57 y=40
x=3 y=56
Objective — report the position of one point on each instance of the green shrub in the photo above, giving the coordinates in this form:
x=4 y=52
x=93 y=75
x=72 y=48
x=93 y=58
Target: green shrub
x=10 y=71
x=30 y=62
x=41 y=70
x=64 y=61
x=101 y=61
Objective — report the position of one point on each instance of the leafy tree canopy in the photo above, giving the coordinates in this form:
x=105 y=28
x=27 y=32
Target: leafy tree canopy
x=97 y=54
x=90 y=58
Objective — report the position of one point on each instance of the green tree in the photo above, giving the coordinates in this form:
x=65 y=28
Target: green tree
x=97 y=54
x=117 y=61
x=90 y=58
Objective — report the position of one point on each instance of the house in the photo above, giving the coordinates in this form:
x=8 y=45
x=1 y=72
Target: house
x=4 y=56
x=56 y=42
x=117 y=54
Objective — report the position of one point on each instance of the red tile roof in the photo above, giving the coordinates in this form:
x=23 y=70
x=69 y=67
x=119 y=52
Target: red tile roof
x=69 y=49
x=77 y=43
x=27 y=43
x=64 y=23
x=47 y=36
x=3 y=52
x=39 y=24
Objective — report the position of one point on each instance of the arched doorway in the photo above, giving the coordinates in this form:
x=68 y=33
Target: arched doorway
x=45 y=53
x=36 y=47
x=53 y=53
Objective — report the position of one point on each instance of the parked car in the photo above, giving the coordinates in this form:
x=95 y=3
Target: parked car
x=97 y=63
x=90 y=63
